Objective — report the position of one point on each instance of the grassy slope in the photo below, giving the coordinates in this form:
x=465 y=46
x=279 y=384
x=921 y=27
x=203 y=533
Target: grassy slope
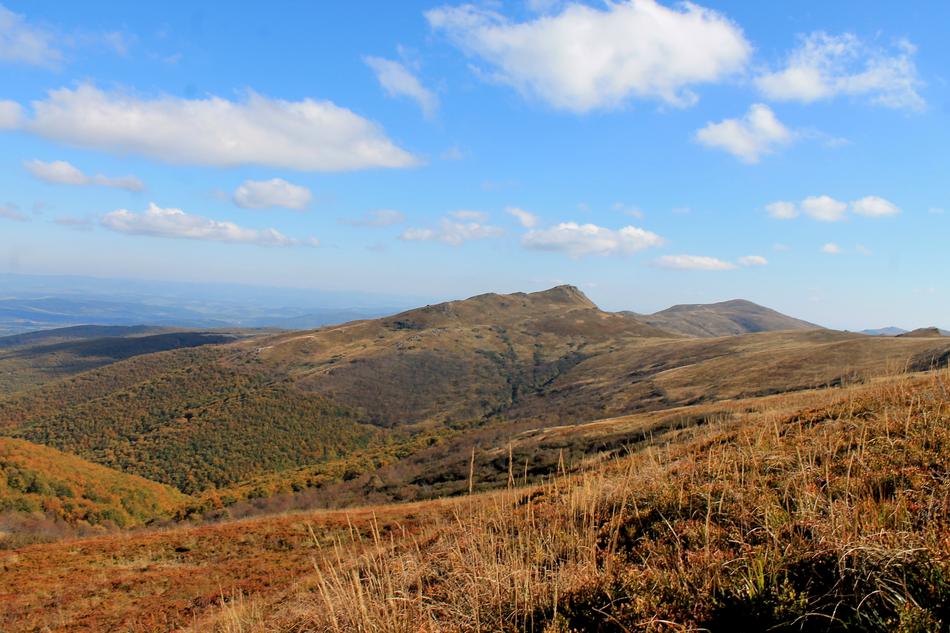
x=812 y=511
x=37 y=478
x=831 y=518
x=728 y=318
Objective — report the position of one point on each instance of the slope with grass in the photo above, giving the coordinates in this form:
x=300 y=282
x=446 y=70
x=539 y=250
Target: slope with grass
x=727 y=318
x=39 y=480
x=824 y=510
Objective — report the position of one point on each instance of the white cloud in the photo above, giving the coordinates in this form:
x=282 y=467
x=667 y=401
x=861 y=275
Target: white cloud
x=378 y=217
x=59 y=172
x=831 y=248
x=24 y=43
x=578 y=240
x=758 y=132
x=585 y=58
x=874 y=207
x=276 y=192
x=453 y=232
x=12 y=212
x=782 y=210
x=753 y=260
x=398 y=81
x=159 y=222
x=525 y=218
x=692 y=262
x=824 y=208
x=11 y=115
x=305 y=135
x=465 y=215
x=824 y=66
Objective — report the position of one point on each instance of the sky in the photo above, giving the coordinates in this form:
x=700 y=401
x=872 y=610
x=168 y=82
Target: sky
x=791 y=153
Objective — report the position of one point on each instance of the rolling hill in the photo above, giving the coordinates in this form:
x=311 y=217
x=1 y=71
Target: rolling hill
x=728 y=318
x=339 y=403
x=32 y=359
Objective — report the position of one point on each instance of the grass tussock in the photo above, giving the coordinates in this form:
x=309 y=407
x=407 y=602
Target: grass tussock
x=834 y=518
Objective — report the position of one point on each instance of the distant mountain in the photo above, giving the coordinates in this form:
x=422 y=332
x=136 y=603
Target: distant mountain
x=76 y=333
x=728 y=318
x=884 y=331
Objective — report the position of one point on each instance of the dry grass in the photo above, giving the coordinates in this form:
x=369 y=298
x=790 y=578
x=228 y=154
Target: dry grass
x=832 y=518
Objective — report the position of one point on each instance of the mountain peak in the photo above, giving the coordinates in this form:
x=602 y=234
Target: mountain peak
x=564 y=294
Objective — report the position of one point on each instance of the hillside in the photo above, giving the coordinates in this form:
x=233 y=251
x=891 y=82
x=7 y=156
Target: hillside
x=815 y=511
x=370 y=409
x=30 y=360
x=728 y=318
x=63 y=487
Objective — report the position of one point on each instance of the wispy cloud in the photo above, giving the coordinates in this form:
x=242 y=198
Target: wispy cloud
x=525 y=218
x=377 y=217
x=10 y=211
x=831 y=248
x=24 y=43
x=398 y=81
x=59 y=172
x=692 y=262
x=825 y=66
x=452 y=232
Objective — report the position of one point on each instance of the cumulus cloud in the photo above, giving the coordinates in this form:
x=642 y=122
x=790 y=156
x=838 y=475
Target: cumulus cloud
x=452 y=232
x=782 y=210
x=578 y=240
x=398 y=81
x=525 y=218
x=831 y=248
x=692 y=262
x=10 y=211
x=11 y=115
x=825 y=66
x=753 y=260
x=24 y=43
x=59 y=172
x=874 y=207
x=824 y=208
x=306 y=135
x=757 y=133
x=827 y=209
x=378 y=217
x=160 y=222
x=276 y=192
x=585 y=58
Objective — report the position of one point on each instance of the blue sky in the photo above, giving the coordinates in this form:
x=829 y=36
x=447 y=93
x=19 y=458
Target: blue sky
x=794 y=154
